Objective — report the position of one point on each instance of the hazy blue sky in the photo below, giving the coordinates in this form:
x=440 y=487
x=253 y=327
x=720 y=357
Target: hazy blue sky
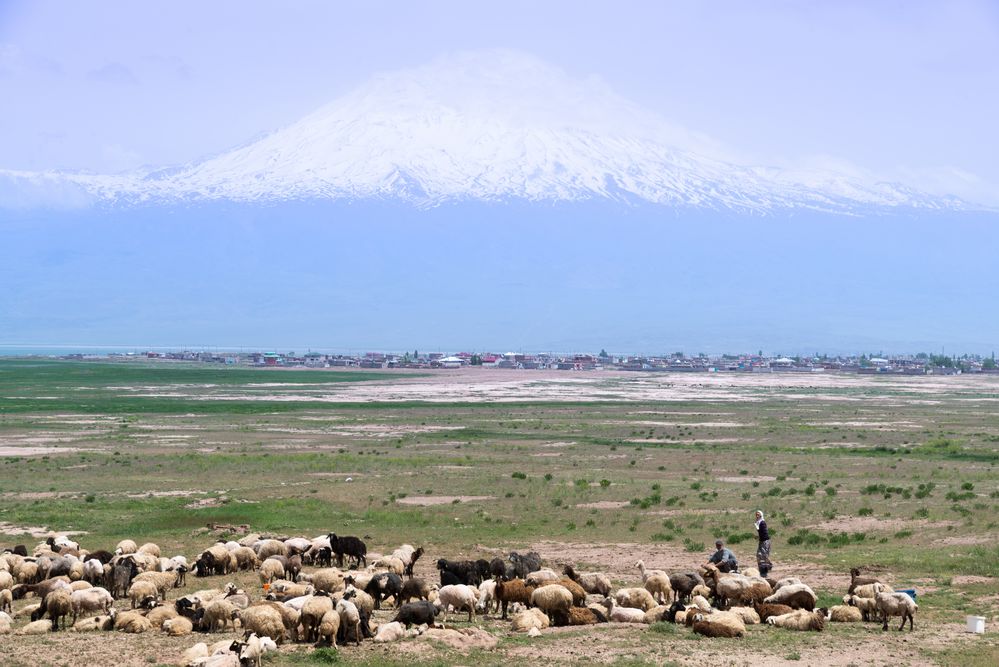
x=908 y=90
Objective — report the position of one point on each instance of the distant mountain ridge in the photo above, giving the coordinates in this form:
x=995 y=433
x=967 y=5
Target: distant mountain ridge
x=487 y=126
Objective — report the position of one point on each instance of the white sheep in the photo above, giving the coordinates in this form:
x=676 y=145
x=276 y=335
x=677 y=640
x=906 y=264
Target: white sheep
x=390 y=632
x=524 y=621
x=636 y=598
x=6 y=622
x=796 y=596
x=800 y=619
x=541 y=577
x=658 y=585
x=90 y=600
x=458 y=596
x=350 y=618
x=649 y=573
x=487 y=595
x=620 y=614
x=896 y=604
x=868 y=607
x=842 y=613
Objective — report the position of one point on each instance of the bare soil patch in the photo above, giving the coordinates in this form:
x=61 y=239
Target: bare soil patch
x=747 y=478
x=439 y=500
x=604 y=505
x=851 y=524
x=36 y=531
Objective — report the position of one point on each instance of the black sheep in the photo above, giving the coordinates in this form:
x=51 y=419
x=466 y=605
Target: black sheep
x=465 y=571
x=349 y=546
x=101 y=555
x=497 y=568
x=524 y=564
x=417 y=613
x=412 y=561
x=384 y=585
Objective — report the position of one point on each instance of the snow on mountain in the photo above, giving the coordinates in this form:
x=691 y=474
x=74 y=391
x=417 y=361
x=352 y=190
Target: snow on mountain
x=491 y=126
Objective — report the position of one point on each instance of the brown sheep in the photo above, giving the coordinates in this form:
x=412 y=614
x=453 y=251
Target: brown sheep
x=767 y=610
x=718 y=625
x=584 y=616
x=578 y=594
x=515 y=590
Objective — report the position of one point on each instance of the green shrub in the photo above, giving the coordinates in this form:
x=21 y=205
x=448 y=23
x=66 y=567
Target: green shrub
x=865 y=511
x=519 y=475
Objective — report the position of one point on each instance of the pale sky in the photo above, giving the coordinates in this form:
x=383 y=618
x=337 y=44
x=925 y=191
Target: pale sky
x=903 y=90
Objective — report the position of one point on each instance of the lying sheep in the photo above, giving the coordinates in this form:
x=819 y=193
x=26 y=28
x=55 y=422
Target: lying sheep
x=132 y=622
x=896 y=604
x=720 y=624
x=525 y=620
x=844 y=614
x=800 y=619
x=390 y=632
x=126 y=547
x=796 y=596
x=36 y=628
x=103 y=623
x=622 y=614
x=636 y=598
x=177 y=627
x=597 y=583
x=160 y=614
x=585 y=616
x=765 y=611
x=747 y=614
x=6 y=622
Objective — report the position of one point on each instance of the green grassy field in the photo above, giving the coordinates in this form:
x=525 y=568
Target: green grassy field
x=880 y=475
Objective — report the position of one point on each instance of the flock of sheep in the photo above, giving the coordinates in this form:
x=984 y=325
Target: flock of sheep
x=325 y=592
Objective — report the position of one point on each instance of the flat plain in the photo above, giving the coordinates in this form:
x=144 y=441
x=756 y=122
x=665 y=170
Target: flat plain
x=895 y=475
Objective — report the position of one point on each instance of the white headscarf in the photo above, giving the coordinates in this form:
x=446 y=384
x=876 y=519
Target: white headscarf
x=760 y=520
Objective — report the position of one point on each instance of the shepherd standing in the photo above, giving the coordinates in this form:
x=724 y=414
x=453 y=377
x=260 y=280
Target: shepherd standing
x=763 y=550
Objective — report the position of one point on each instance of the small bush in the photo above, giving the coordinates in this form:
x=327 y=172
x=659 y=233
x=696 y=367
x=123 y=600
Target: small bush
x=830 y=491
x=865 y=511
x=604 y=483
x=519 y=475
x=548 y=477
x=692 y=546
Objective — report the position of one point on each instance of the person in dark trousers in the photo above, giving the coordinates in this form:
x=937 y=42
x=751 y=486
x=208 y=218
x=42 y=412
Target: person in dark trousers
x=763 y=549
x=723 y=558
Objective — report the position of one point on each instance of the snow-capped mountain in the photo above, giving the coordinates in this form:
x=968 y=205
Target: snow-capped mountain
x=489 y=126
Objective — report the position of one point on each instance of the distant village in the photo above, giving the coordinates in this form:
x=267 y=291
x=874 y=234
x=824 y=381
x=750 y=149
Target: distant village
x=917 y=364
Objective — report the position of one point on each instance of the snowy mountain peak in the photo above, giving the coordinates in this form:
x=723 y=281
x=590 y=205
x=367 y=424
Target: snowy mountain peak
x=486 y=125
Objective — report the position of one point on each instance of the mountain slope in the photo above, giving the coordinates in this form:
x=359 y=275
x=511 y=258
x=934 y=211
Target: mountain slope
x=490 y=126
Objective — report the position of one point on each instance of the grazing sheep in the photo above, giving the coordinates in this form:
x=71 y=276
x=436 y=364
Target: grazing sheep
x=163 y=581
x=844 y=614
x=351 y=546
x=796 y=596
x=597 y=583
x=465 y=572
x=312 y=615
x=329 y=626
x=270 y=569
x=390 y=632
x=122 y=574
x=487 y=596
x=656 y=614
x=27 y=611
x=541 y=577
x=646 y=573
x=383 y=586
x=90 y=600
x=132 y=622
x=329 y=580
x=218 y=615
x=262 y=619
x=636 y=598
x=555 y=600
x=390 y=564
x=658 y=585
x=800 y=619
x=177 y=627
x=93 y=571
x=897 y=604
x=6 y=600
x=460 y=597
x=350 y=617
x=734 y=588
x=58 y=604
x=36 y=628
x=246 y=558
x=702 y=604
x=529 y=619
x=748 y=615
x=515 y=590
x=27 y=572
x=720 y=624
x=267 y=548
x=417 y=613
x=683 y=584
x=140 y=590
x=868 y=607
x=103 y=623
x=623 y=614
x=286 y=588
x=765 y=611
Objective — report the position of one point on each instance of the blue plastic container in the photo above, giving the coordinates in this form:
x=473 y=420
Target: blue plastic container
x=911 y=592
